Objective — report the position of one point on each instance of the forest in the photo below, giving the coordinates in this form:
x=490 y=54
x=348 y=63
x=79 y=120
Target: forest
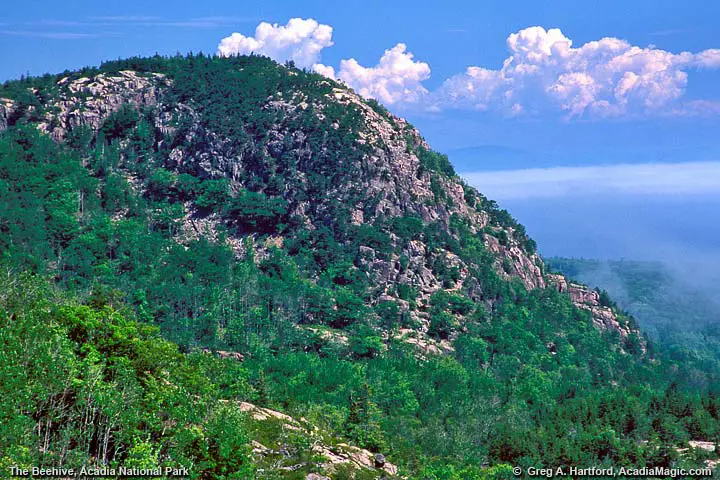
x=112 y=314
x=681 y=317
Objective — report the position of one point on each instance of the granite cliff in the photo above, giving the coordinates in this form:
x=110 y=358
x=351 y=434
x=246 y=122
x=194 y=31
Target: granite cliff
x=387 y=179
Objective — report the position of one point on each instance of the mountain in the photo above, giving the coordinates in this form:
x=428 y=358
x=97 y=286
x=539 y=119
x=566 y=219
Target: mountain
x=187 y=236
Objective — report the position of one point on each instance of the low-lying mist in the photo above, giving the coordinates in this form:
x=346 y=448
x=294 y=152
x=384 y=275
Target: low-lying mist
x=658 y=258
x=679 y=233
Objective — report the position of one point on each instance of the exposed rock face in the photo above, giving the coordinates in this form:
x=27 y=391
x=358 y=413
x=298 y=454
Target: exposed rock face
x=588 y=299
x=603 y=317
x=6 y=108
x=392 y=177
x=89 y=101
x=237 y=356
x=392 y=172
x=224 y=354
x=581 y=294
x=339 y=454
x=388 y=179
x=315 y=476
x=558 y=281
x=260 y=413
x=707 y=446
x=521 y=265
x=425 y=345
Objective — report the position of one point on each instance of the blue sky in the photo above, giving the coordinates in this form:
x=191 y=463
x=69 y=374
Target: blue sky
x=571 y=101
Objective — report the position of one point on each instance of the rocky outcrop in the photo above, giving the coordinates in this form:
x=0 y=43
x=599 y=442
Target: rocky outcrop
x=362 y=458
x=393 y=179
x=425 y=345
x=513 y=261
x=6 y=109
x=702 y=445
x=225 y=355
x=588 y=299
x=557 y=281
x=603 y=317
x=260 y=413
x=237 y=356
x=89 y=101
x=332 y=455
x=393 y=171
x=581 y=294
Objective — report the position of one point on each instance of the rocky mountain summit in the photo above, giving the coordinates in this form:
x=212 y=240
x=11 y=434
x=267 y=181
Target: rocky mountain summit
x=386 y=175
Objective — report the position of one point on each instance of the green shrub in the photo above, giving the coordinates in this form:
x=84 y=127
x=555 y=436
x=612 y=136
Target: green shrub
x=119 y=123
x=256 y=212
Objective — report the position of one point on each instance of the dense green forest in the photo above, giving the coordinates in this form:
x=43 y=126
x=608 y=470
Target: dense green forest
x=683 y=319
x=110 y=311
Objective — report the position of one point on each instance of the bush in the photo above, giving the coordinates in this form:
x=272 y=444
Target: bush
x=435 y=162
x=457 y=304
x=212 y=194
x=365 y=343
x=389 y=314
x=161 y=184
x=349 y=308
x=408 y=227
x=442 y=324
x=374 y=238
x=119 y=123
x=605 y=299
x=256 y=212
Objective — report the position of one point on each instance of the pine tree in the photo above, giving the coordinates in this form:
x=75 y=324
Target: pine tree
x=363 y=423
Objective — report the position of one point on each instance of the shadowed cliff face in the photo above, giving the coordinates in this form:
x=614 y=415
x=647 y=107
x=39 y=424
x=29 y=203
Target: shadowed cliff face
x=336 y=162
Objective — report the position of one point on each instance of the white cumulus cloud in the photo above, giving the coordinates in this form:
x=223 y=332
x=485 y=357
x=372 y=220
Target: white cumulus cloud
x=326 y=70
x=396 y=79
x=300 y=40
x=543 y=74
x=709 y=58
x=606 y=77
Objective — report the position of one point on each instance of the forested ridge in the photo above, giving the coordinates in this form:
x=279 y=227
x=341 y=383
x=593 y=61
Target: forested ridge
x=182 y=235
x=680 y=316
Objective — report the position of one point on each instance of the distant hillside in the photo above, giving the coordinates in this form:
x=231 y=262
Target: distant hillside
x=682 y=317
